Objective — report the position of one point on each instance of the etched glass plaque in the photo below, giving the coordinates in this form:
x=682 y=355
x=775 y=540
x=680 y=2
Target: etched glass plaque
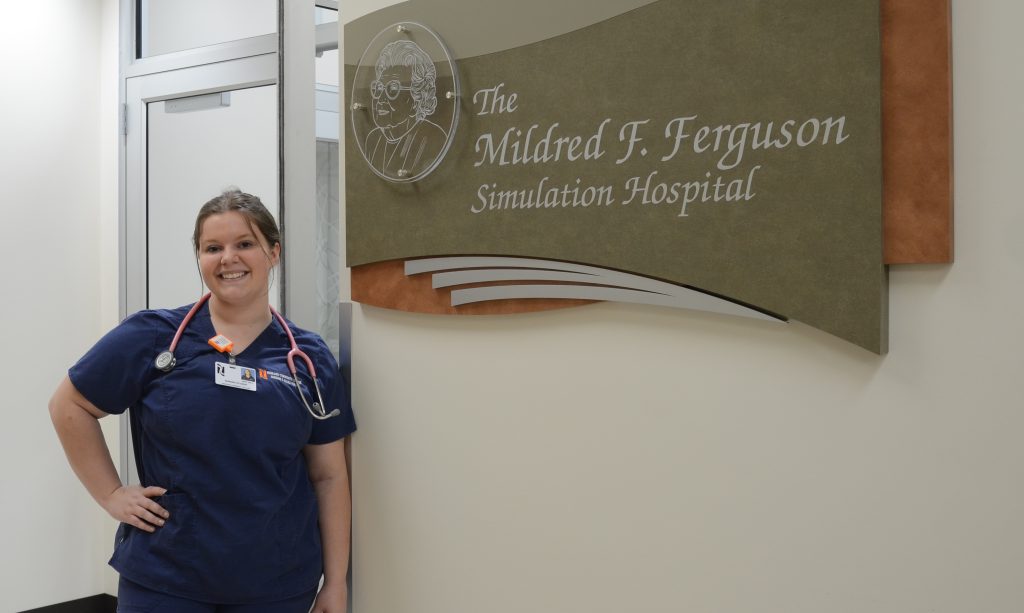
x=404 y=102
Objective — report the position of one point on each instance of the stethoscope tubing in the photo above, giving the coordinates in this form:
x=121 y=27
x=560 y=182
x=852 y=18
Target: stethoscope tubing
x=290 y=358
x=166 y=361
x=188 y=318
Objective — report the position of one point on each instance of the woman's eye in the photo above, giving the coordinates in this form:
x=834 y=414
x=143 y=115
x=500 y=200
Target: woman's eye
x=245 y=244
x=212 y=249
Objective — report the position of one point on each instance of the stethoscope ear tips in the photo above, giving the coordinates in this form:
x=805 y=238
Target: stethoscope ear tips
x=165 y=361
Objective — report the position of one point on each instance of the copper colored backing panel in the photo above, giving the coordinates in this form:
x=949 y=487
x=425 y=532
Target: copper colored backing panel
x=384 y=284
x=917 y=113
x=917 y=158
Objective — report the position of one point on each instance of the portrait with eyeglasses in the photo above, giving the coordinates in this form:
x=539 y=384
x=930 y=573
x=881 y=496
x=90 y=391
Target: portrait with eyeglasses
x=403 y=95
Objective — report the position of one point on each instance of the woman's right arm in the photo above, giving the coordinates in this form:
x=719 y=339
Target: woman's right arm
x=77 y=423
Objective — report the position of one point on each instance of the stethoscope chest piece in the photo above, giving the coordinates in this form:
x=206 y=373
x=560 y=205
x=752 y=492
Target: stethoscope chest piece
x=165 y=361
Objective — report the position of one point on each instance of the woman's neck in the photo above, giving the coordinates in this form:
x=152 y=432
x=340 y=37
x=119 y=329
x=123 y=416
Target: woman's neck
x=253 y=315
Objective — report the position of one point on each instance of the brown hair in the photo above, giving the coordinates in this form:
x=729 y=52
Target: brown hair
x=256 y=215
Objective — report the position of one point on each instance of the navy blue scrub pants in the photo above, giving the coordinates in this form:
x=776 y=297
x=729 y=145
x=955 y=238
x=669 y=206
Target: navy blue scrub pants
x=133 y=598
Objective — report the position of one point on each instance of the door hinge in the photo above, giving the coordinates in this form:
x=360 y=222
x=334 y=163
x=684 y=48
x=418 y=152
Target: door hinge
x=124 y=119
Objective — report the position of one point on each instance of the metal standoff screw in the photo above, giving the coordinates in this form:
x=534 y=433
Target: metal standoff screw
x=449 y=95
x=402 y=29
x=403 y=173
x=357 y=106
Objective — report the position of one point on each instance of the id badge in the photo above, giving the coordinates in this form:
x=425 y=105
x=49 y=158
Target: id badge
x=233 y=375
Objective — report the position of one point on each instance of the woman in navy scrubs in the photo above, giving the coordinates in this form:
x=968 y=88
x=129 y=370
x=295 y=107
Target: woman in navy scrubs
x=244 y=502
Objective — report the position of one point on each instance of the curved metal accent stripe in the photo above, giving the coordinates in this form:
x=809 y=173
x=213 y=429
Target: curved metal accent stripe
x=697 y=301
x=415 y=267
x=601 y=284
x=490 y=275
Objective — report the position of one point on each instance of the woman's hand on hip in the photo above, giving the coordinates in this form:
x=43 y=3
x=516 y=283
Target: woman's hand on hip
x=133 y=505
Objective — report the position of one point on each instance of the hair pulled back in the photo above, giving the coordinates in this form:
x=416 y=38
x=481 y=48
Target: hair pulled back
x=424 y=74
x=256 y=215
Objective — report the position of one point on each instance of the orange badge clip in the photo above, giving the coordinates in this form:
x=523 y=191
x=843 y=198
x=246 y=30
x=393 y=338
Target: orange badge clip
x=221 y=343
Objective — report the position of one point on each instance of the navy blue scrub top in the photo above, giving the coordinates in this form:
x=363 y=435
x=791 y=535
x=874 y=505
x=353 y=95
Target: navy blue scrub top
x=243 y=521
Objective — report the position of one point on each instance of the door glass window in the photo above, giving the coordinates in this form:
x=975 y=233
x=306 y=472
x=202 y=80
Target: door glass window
x=198 y=147
x=166 y=26
x=325 y=15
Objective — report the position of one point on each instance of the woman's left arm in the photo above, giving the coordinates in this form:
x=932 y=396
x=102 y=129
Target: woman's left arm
x=329 y=474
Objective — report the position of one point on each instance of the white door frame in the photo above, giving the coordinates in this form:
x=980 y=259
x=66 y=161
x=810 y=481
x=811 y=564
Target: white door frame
x=298 y=161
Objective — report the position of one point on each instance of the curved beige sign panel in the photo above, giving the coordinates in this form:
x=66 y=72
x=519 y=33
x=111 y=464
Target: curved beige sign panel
x=480 y=28
x=726 y=148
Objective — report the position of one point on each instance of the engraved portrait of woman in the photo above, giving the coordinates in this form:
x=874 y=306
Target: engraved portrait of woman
x=404 y=141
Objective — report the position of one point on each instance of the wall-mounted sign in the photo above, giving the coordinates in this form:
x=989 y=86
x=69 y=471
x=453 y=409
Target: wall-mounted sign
x=723 y=156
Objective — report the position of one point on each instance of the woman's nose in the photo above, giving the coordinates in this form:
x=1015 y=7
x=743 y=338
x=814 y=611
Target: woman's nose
x=228 y=255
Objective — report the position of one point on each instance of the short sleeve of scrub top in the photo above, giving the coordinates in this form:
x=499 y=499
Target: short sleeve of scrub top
x=244 y=522
x=114 y=372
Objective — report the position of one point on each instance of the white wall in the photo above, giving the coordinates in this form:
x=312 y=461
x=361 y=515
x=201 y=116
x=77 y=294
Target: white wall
x=619 y=458
x=59 y=204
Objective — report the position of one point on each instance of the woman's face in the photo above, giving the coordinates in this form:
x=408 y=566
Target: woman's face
x=235 y=259
x=395 y=116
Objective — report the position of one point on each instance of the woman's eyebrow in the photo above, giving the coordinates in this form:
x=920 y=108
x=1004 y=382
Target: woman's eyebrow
x=247 y=235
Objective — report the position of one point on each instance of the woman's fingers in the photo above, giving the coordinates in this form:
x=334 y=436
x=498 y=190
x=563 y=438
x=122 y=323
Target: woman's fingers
x=141 y=525
x=155 y=509
x=147 y=509
x=148 y=516
x=153 y=491
x=133 y=505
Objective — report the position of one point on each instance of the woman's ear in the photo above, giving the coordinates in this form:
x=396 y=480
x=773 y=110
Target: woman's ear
x=275 y=254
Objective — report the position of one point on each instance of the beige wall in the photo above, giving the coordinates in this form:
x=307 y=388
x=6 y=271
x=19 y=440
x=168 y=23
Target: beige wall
x=59 y=204
x=619 y=458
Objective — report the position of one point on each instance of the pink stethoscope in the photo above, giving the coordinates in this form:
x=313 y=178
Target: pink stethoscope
x=166 y=360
